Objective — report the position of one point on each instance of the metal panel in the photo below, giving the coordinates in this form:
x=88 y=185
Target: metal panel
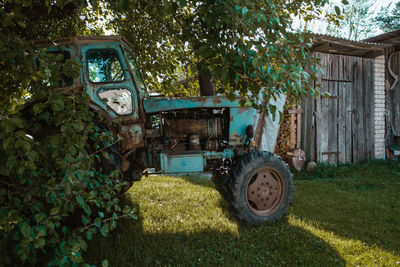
x=240 y=118
x=172 y=163
x=158 y=104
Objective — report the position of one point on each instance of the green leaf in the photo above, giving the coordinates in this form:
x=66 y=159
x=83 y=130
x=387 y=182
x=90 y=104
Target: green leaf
x=105 y=155
x=256 y=62
x=57 y=104
x=89 y=235
x=84 y=220
x=39 y=243
x=7 y=143
x=38 y=107
x=54 y=211
x=245 y=10
x=345 y=2
x=25 y=229
x=18 y=122
x=337 y=10
x=104 y=263
x=126 y=209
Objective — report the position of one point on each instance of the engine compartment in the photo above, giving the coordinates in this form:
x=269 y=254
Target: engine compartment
x=190 y=130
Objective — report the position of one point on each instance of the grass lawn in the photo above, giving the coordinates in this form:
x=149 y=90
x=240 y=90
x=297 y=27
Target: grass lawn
x=348 y=215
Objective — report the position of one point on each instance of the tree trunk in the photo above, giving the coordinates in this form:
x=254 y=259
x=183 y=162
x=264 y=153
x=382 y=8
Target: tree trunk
x=207 y=87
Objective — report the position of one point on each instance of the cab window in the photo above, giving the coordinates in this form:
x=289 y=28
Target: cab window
x=104 y=66
x=135 y=70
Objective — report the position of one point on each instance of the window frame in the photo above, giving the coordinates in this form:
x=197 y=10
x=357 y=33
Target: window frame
x=128 y=50
x=101 y=90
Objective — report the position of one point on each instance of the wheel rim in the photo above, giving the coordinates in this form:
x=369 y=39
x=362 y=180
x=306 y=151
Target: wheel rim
x=265 y=191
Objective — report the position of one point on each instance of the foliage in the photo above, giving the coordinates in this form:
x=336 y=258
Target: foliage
x=347 y=217
x=388 y=17
x=356 y=20
x=53 y=195
x=249 y=48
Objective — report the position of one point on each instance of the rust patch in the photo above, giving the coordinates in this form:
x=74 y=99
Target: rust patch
x=216 y=101
x=241 y=110
x=132 y=135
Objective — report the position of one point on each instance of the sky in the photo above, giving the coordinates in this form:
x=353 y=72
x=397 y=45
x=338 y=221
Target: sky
x=320 y=25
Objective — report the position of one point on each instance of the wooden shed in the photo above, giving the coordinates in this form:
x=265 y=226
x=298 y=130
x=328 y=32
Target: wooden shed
x=392 y=89
x=346 y=126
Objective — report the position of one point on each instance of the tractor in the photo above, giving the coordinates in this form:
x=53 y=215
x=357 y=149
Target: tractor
x=180 y=135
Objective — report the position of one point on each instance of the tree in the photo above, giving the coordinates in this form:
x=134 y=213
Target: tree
x=356 y=20
x=243 y=46
x=389 y=19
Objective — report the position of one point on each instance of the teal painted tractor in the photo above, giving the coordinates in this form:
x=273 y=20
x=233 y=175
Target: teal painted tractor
x=180 y=135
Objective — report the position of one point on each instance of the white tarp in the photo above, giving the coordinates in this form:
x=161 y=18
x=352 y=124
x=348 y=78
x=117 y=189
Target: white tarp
x=271 y=126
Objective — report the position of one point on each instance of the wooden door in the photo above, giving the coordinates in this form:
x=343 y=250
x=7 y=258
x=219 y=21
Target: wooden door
x=338 y=129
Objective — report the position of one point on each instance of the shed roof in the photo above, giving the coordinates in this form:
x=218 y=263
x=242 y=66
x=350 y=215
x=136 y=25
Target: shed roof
x=334 y=45
x=392 y=37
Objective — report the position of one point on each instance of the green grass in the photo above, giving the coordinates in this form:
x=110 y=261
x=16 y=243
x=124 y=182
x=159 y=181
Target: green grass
x=348 y=215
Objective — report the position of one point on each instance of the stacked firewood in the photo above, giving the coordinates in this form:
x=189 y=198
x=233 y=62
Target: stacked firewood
x=283 y=144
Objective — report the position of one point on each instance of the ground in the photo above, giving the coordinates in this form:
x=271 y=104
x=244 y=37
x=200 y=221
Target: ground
x=348 y=215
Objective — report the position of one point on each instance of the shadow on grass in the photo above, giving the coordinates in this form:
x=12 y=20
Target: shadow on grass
x=278 y=244
x=358 y=203
x=185 y=222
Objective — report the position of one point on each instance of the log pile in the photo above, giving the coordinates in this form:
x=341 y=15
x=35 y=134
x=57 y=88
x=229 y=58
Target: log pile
x=288 y=137
x=283 y=144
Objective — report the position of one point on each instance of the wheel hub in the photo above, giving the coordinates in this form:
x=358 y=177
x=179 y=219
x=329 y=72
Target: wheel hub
x=265 y=191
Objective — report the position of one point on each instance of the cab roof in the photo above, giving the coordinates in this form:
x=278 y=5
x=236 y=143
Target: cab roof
x=83 y=39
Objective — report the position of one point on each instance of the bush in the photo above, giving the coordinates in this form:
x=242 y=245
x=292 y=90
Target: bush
x=54 y=195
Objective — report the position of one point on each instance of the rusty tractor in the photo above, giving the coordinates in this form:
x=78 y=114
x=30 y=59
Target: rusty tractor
x=181 y=135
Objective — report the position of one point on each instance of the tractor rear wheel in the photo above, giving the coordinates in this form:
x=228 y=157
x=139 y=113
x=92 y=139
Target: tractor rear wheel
x=260 y=189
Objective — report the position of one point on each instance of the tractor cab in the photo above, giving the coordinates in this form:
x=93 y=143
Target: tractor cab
x=112 y=79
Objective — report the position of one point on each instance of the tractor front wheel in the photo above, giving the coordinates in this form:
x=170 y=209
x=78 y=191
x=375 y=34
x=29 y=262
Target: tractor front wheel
x=260 y=189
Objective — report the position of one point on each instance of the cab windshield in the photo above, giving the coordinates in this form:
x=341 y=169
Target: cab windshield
x=104 y=66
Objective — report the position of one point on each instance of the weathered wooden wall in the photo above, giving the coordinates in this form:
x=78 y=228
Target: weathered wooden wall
x=338 y=129
x=393 y=96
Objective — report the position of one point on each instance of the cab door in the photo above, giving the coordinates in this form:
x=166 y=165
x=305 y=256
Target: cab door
x=109 y=84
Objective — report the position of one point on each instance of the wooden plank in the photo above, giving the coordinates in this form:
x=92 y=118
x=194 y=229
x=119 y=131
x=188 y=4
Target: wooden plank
x=331 y=153
x=325 y=66
x=318 y=127
x=348 y=91
x=347 y=69
x=368 y=106
x=332 y=123
x=342 y=110
x=313 y=132
x=334 y=67
x=340 y=68
x=358 y=121
x=320 y=56
x=306 y=122
x=296 y=111
x=308 y=126
x=324 y=123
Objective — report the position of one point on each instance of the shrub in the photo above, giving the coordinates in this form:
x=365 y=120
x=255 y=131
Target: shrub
x=54 y=195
